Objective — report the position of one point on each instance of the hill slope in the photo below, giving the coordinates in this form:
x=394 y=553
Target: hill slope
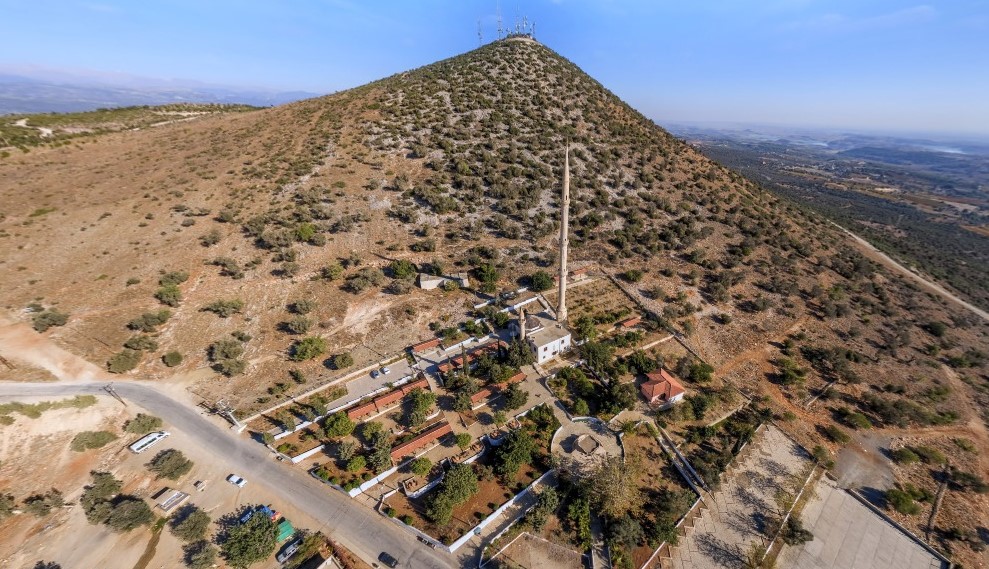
x=455 y=166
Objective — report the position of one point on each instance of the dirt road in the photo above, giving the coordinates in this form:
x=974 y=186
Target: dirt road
x=877 y=255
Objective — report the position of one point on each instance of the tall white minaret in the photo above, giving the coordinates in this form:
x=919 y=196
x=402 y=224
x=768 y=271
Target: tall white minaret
x=522 y=324
x=561 y=310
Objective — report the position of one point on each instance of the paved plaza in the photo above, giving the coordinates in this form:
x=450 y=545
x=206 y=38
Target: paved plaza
x=738 y=513
x=848 y=534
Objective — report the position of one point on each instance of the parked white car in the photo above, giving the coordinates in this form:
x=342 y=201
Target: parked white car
x=236 y=481
x=385 y=370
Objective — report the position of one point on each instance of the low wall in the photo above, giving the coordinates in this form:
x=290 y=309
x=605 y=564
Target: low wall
x=299 y=458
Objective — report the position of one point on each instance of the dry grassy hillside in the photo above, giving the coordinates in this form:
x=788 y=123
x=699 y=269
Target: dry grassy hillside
x=454 y=166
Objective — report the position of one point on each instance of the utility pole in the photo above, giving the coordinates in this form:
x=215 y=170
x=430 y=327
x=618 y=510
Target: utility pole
x=224 y=409
x=113 y=392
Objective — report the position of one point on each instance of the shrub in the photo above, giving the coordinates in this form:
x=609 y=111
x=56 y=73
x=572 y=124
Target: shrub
x=91 y=439
x=302 y=306
x=169 y=295
x=632 y=275
x=929 y=455
x=356 y=464
x=341 y=361
x=123 y=361
x=338 y=425
x=904 y=456
x=149 y=321
x=141 y=342
x=143 y=424
x=308 y=348
x=402 y=269
x=298 y=325
x=172 y=359
x=463 y=440
x=170 y=463
x=173 y=278
x=836 y=435
x=225 y=308
x=902 y=502
x=42 y=321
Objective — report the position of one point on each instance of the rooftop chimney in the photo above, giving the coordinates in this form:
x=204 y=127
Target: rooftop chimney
x=561 y=310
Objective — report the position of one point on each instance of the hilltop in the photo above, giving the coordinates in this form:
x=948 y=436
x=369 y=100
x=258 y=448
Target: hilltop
x=453 y=167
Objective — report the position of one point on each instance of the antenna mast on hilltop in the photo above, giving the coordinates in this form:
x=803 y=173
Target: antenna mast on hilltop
x=480 y=36
x=498 y=8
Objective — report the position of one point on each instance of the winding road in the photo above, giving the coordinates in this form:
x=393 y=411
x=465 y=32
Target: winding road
x=353 y=525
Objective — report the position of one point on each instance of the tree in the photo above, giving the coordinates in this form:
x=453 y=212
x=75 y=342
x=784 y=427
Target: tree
x=514 y=452
x=626 y=533
x=42 y=504
x=308 y=348
x=172 y=359
x=420 y=403
x=459 y=484
x=500 y=418
x=200 y=555
x=597 y=355
x=123 y=361
x=421 y=466
x=192 y=525
x=129 y=513
x=338 y=425
x=584 y=328
x=7 y=504
x=96 y=497
x=462 y=402
x=612 y=487
x=250 y=542
x=580 y=408
x=547 y=503
x=793 y=532
x=342 y=361
x=356 y=464
x=171 y=464
x=519 y=354
x=540 y=281
x=515 y=397
x=463 y=440
x=331 y=272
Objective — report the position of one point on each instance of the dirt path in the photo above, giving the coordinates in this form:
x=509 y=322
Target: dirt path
x=876 y=255
x=19 y=343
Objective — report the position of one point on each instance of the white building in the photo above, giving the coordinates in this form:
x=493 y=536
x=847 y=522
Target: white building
x=548 y=339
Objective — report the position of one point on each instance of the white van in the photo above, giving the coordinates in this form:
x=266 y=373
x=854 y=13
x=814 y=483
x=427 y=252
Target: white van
x=148 y=441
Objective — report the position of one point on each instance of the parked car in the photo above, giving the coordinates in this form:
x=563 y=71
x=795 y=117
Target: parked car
x=236 y=481
x=288 y=551
x=385 y=370
x=387 y=559
x=374 y=373
x=200 y=485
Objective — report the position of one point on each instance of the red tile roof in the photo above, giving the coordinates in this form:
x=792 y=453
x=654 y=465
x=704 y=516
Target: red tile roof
x=661 y=386
x=361 y=410
x=426 y=345
x=629 y=322
x=424 y=438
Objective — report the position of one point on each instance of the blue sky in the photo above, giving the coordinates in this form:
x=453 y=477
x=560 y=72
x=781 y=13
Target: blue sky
x=863 y=64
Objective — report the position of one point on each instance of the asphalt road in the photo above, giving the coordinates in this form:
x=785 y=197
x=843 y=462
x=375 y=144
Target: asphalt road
x=354 y=526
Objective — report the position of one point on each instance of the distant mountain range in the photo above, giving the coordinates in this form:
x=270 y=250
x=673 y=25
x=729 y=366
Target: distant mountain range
x=22 y=94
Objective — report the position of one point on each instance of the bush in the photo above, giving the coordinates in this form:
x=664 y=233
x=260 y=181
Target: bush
x=169 y=295
x=42 y=321
x=356 y=464
x=173 y=278
x=149 y=321
x=123 y=361
x=225 y=308
x=192 y=525
x=172 y=359
x=904 y=456
x=540 y=281
x=308 y=348
x=141 y=342
x=143 y=424
x=91 y=439
x=302 y=306
x=298 y=325
x=902 y=502
x=836 y=435
x=463 y=440
x=129 y=513
x=402 y=269
x=341 y=361
x=171 y=464
x=929 y=455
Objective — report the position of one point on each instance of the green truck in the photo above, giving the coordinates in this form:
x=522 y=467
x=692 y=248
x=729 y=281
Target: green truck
x=285 y=530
